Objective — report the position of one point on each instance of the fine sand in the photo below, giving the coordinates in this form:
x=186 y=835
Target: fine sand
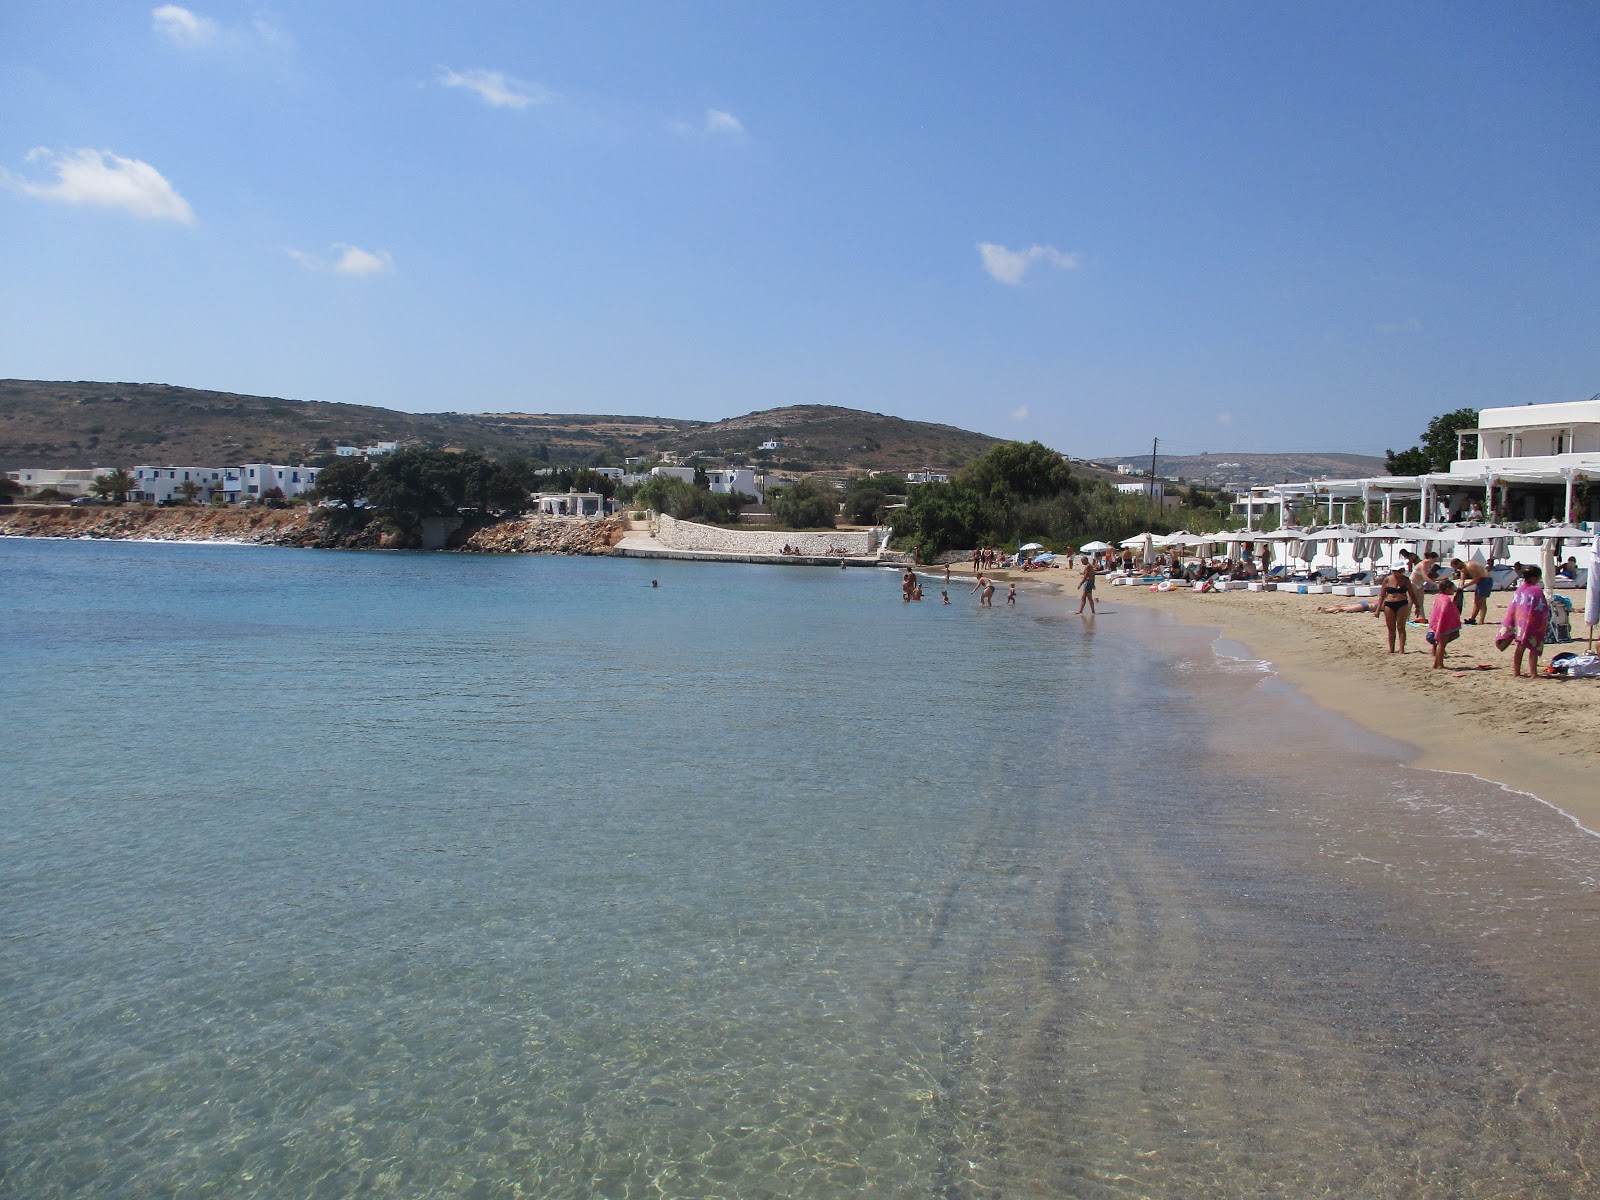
x=1537 y=735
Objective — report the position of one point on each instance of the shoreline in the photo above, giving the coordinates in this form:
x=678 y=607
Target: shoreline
x=1528 y=737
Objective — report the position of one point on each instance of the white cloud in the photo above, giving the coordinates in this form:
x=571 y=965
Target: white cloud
x=1224 y=418
x=183 y=27
x=100 y=179
x=344 y=259
x=1409 y=325
x=496 y=88
x=717 y=123
x=1020 y=414
x=1010 y=266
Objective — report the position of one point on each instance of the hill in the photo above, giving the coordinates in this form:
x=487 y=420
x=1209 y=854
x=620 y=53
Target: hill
x=117 y=424
x=47 y=424
x=1243 y=470
x=822 y=436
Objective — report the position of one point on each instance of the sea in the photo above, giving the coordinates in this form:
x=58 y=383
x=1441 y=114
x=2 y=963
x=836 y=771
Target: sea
x=340 y=874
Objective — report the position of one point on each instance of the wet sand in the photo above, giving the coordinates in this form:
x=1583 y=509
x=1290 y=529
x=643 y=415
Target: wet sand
x=1534 y=735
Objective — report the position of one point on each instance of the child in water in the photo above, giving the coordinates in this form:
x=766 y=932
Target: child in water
x=1011 y=596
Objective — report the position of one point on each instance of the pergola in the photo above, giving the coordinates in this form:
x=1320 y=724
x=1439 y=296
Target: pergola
x=1499 y=477
x=1341 y=492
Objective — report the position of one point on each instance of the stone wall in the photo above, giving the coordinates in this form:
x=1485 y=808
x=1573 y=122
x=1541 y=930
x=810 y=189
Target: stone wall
x=836 y=543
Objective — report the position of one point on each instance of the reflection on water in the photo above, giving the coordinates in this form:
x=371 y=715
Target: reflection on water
x=423 y=875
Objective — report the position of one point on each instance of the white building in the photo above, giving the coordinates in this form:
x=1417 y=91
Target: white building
x=610 y=472
x=376 y=450
x=1144 y=487
x=163 y=485
x=927 y=477
x=741 y=481
x=771 y=446
x=570 y=504
x=684 y=473
x=1525 y=466
x=252 y=481
x=72 y=481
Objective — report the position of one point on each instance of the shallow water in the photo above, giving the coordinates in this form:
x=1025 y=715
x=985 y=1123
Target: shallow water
x=332 y=874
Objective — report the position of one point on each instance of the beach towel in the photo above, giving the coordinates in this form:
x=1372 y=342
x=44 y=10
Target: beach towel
x=1526 y=620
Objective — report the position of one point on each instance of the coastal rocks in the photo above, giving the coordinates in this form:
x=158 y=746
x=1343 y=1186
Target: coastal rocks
x=318 y=528
x=543 y=535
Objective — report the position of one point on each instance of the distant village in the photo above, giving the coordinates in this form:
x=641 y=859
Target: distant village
x=1527 y=462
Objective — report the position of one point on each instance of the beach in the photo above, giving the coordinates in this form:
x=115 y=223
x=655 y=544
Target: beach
x=1535 y=736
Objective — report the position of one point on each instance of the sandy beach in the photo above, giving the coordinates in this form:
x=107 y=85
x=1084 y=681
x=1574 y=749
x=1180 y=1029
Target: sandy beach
x=1533 y=735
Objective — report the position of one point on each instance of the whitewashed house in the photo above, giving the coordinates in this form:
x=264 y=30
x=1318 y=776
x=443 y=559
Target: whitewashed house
x=254 y=480
x=741 y=481
x=70 y=481
x=163 y=485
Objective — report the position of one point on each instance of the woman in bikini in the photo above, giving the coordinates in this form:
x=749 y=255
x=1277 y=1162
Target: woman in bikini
x=1398 y=595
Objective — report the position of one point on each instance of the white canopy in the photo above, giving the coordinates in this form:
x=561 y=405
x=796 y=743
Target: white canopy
x=1095 y=547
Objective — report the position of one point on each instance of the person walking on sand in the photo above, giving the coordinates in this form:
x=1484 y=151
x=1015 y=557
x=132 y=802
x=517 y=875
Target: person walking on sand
x=1525 y=622
x=1444 y=622
x=1086 y=586
x=1397 y=596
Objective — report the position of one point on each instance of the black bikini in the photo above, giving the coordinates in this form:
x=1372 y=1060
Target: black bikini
x=1396 y=605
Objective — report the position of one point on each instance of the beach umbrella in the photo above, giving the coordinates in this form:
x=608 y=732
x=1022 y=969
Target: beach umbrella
x=1094 y=547
x=1029 y=546
x=1135 y=542
x=1547 y=566
x=1147 y=550
x=1558 y=533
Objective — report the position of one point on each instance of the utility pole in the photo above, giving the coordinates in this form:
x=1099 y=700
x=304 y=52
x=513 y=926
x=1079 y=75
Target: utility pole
x=1155 y=503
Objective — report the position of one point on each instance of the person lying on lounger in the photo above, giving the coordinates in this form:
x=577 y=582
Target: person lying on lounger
x=1355 y=606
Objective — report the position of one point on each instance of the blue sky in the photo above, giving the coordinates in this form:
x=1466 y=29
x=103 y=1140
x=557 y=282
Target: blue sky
x=1231 y=226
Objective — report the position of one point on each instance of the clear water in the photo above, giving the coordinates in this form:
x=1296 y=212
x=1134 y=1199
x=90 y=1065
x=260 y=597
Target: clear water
x=333 y=874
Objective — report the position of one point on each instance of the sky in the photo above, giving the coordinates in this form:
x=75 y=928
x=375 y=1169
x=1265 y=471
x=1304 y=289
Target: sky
x=1232 y=227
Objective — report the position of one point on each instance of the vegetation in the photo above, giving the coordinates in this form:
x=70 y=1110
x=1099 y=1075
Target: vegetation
x=113 y=486
x=867 y=499
x=683 y=500
x=1438 y=447
x=806 y=504
x=1026 y=491
x=408 y=487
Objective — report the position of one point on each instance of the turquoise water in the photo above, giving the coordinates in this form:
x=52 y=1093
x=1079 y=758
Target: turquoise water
x=329 y=874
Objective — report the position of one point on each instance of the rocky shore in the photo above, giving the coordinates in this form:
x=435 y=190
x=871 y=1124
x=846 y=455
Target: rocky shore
x=301 y=527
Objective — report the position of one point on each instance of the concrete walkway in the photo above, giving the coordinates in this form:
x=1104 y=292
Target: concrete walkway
x=639 y=544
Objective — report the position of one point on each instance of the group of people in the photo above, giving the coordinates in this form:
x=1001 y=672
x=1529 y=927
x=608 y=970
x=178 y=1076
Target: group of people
x=1401 y=593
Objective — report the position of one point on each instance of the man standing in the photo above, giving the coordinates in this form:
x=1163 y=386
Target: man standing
x=1476 y=576
x=1086 y=586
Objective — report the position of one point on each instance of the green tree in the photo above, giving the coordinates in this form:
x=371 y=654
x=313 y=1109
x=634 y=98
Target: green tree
x=807 y=504
x=114 y=486
x=1021 y=471
x=1438 y=447
x=868 y=495
x=188 y=489
x=938 y=517
x=343 y=481
x=415 y=484
x=678 y=498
